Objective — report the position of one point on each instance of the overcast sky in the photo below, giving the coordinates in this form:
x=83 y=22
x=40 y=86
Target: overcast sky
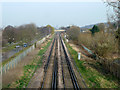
x=53 y=13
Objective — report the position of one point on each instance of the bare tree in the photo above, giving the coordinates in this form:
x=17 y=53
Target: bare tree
x=9 y=33
x=115 y=4
x=73 y=32
x=101 y=26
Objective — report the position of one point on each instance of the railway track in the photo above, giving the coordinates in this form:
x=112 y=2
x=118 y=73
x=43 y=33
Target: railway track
x=47 y=67
x=54 y=76
x=72 y=74
x=50 y=79
x=67 y=82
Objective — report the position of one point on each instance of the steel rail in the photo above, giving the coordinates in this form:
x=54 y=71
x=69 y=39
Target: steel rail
x=54 y=76
x=72 y=74
x=62 y=65
x=46 y=66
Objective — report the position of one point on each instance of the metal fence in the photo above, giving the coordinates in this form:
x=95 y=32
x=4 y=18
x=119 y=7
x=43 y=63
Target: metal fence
x=13 y=63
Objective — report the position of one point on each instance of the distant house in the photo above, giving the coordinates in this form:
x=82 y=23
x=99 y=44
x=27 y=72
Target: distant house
x=81 y=30
x=84 y=30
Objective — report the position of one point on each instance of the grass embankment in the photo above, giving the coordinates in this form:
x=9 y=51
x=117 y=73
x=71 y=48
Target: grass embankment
x=12 y=47
x=93 y=78
x=16 y=54
x=30 y=69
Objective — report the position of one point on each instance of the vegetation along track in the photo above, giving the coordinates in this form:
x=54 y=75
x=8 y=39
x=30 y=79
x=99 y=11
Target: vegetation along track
x=50 y=79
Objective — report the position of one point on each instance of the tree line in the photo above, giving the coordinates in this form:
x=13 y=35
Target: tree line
x=24 y=33
x=102 y=40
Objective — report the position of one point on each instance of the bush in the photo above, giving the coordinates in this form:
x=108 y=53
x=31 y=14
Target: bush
x=94 y=29
x=103 y=44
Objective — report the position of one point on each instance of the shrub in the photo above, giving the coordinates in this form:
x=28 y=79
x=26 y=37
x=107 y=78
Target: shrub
x=102 y=43
x=94 y=29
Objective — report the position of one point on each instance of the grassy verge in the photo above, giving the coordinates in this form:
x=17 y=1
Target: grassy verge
x=8 y=48
x=30 y=69
x=93 y=78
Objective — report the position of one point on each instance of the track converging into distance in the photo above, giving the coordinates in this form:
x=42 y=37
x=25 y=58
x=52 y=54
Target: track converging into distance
x=58 y=70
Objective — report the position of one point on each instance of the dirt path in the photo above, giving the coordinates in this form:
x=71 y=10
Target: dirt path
x=78 y=49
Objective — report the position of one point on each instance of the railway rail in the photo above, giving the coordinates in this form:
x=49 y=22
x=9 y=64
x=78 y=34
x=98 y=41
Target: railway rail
x=52 y=64
x=47 y=64
x=72 y=74
x=54 y=76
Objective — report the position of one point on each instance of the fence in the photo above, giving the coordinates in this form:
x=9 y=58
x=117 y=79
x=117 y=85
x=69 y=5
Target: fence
x=109 y=66
x=14 y=61
x=41 y=41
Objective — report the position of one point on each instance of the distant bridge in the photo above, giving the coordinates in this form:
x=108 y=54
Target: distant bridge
x=60 y=30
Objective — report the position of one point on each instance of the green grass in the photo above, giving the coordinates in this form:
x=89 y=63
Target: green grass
x=93 y=78
x=28 y=73
x=29 y=70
